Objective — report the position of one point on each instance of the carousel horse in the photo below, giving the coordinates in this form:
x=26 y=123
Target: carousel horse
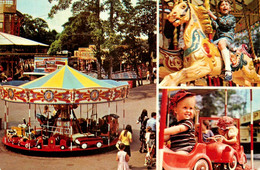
x=201 y=57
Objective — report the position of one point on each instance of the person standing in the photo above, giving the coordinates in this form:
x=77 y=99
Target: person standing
x=126 y=138
x=152 y=122
x=122 y=158
x=143 y=120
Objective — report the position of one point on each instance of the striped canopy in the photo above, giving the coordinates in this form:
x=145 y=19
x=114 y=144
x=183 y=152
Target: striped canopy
x=66 y=86
x=67 y=78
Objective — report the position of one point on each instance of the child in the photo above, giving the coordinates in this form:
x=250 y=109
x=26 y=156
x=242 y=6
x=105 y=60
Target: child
x=225 y=31
x=182 y=134
x=206 y=132
x=122 y=158
x=150 y=141
x=228 y=131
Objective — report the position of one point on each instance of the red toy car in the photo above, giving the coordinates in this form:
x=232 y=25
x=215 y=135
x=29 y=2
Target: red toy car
x=28 y=143
x=89 y=141
x=222 y=155
x=196 y=159
x=14 y=139
x=56 y=141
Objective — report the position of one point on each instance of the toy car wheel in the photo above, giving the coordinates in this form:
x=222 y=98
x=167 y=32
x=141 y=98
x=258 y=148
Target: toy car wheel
x=244 y=162
x=201 y=164
x=84 y=146
x=62 y=147
x=233 y=164
x=99 y=144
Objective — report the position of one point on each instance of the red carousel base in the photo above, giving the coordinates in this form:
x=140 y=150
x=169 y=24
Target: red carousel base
x=52 y=147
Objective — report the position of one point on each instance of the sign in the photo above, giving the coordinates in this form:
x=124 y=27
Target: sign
x=48 y=64
x=247 y=118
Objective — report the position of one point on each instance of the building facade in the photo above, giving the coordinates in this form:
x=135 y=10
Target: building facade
x=10 y=18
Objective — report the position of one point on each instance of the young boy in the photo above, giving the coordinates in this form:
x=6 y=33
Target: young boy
x=182 y=134
x=225 y=31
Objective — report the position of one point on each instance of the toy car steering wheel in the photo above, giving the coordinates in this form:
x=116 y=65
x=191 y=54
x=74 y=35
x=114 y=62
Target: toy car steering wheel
x=215 y=138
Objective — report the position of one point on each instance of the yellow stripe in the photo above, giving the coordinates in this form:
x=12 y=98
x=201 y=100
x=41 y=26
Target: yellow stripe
x=84 y=80
x=56 y=80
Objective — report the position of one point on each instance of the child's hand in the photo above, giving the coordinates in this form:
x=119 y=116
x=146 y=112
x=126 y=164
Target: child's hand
x=212 y=15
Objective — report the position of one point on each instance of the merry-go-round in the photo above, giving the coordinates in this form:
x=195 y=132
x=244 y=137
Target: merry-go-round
x=60 y=130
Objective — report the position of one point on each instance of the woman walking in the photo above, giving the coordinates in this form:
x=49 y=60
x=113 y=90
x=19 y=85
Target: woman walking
x=126 y=138
x=142 y=120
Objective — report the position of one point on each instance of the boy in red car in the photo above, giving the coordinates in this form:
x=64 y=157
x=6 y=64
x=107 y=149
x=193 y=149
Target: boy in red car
x=182 y=135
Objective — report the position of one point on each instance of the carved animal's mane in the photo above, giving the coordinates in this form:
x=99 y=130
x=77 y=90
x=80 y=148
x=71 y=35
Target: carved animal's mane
x=203 y=17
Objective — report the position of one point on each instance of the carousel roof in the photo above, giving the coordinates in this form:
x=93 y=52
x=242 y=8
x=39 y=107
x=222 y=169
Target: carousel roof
x=68 y=78
x=65 y=86
x=8 y=39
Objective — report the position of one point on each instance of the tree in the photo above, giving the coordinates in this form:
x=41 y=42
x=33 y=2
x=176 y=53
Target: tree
x=146 y=22
x=37 y=29
x=122 y=25
x=214 y=103
x=76 y=33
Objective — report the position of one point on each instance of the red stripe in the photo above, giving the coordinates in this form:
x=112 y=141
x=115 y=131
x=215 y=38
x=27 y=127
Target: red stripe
x=252 y=136
x=163 y=118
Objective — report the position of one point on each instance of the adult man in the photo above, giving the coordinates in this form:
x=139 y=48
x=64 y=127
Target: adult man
x=152 y=122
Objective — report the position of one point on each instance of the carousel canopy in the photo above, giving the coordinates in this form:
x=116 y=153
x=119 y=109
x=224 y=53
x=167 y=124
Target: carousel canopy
x=66 y=86
x=8 y=39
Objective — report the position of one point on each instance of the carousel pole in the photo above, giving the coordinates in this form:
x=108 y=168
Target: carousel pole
x=80 y=110
x=109 y=111
x=168 y=115
x=5 y=119
x=109 y=128
x=70 y=110
x=116 y=107
x=226 y=102
x=7 y=115
x=252 y=131
x=248 y=30
x=29 y=124
x=162 y=126
x=87 y=115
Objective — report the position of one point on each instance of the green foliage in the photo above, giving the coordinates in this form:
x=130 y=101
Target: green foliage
x=125 y=22
x=37 y=29
x=214 y=103
x=77 y=33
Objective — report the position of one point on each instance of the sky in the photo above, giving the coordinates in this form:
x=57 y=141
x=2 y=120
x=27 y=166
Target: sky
x=255 y=98
x=41 y=8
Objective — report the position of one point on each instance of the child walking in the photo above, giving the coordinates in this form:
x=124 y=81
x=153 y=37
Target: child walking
x=225 y=31
x=150 y=144
x=182 y=135
x=122 y=158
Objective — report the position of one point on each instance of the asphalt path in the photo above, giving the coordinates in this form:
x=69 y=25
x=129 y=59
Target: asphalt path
x=142 y=97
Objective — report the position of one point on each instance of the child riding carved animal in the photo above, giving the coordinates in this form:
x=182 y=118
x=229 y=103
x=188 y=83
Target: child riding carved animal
x=225 y=31
x=201 y=57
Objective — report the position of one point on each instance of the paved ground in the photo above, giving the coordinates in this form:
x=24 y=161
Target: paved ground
x=139 y=98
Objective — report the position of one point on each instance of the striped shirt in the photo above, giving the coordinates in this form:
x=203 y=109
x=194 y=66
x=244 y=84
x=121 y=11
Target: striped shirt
x=184 y=139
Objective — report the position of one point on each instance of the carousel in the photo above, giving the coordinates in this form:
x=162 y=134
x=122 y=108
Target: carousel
x=64 y=91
